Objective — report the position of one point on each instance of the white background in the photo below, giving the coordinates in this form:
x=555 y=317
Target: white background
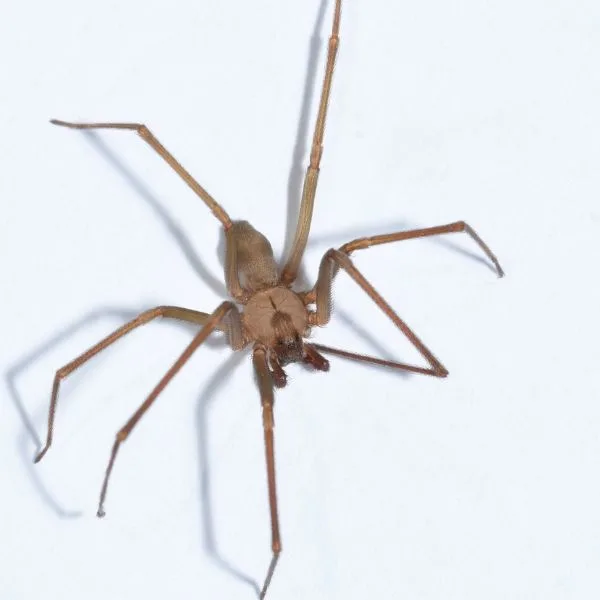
x=483 y=485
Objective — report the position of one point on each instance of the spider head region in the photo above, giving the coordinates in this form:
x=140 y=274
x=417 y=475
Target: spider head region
x=277 y=319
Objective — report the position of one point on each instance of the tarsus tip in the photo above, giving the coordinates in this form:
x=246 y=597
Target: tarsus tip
x=39 y=456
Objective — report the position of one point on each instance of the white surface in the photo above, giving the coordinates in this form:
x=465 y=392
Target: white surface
x=483 y=485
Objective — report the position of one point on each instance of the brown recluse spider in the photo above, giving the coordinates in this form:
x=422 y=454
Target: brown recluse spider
x=274 y=317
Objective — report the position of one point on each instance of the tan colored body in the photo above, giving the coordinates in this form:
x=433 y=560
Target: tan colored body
x=274 y=318
x=253 y=257
x=259 y=318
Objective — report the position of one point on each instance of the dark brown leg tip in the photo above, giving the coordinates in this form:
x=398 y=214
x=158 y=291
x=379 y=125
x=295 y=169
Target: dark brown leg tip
x=39 y=456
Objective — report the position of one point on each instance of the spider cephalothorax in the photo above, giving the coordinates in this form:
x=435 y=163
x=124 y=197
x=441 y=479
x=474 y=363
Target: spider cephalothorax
x=275 y=317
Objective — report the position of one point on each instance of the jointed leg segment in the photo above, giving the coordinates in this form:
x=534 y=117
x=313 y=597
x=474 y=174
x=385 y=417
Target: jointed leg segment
x=330 y=263
x=173 y=312
x=398 y=236
x=151 y=140
x=208 y=322
x=457 y=227
x=210 y=325
x=265 y=385
x=292 y=265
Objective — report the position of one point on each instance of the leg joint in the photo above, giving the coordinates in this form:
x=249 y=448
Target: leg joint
x=143 y=131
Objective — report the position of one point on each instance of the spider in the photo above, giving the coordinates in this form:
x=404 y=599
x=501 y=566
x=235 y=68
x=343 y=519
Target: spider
x=265 y=310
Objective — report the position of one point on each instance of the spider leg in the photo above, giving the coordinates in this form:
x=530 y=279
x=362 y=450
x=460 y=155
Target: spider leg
x=388 y=238
x=292 y=264
x=210 y=324
x=153 y=142
x=457 y=227
x=376 y=361
x=331 y=262
x=265 y=385
x=171 y=312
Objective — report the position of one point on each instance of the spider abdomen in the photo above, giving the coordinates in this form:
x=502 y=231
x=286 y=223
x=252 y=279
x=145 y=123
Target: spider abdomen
x=256 y=265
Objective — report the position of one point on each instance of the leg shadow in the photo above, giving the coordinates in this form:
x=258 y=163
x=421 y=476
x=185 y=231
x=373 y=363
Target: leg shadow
x=16 y=371
x=142 y=190
x=218 y=379
x=29 y=433
x=443 y=240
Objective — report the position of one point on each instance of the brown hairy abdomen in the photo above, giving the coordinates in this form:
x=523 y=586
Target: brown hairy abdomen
x=256 y=266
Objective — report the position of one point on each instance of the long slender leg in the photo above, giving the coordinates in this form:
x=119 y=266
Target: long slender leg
x=171 y=312
x=376 y=361
x=211 y=323
x=334 y=259
x=388 y=238
x=456 y=227
x=151 y=140
x=312 y=173
x=265 y=385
